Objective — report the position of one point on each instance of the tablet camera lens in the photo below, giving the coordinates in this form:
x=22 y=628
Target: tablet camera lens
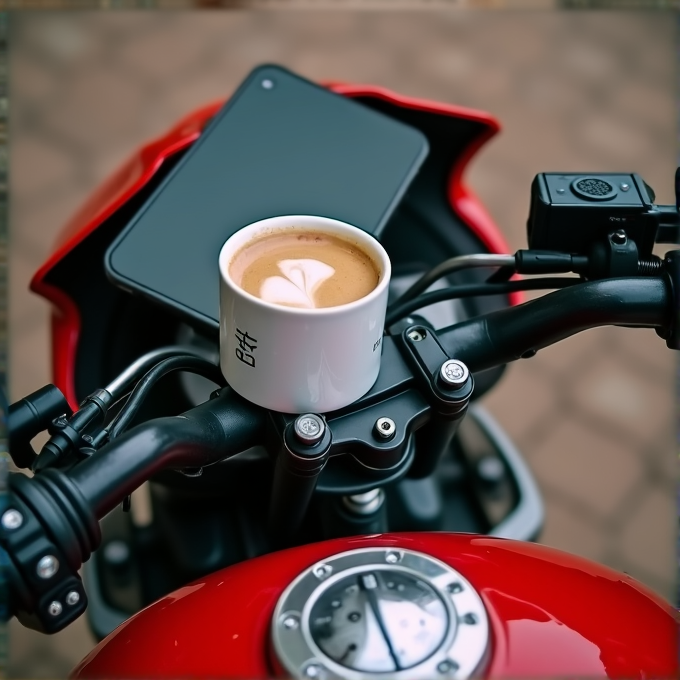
x=267 y=84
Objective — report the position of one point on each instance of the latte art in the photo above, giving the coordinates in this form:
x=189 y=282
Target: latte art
x=302 y=278
x=304 y=269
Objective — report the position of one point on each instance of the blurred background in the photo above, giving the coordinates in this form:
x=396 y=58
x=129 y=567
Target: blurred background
x=595 y=416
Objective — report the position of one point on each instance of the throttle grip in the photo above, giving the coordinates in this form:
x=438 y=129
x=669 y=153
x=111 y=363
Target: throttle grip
x=519 y=332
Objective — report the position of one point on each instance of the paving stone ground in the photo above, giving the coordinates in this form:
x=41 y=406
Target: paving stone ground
x=596 y=415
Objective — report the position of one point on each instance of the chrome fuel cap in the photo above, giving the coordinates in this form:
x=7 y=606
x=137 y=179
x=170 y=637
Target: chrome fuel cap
x=364 y=613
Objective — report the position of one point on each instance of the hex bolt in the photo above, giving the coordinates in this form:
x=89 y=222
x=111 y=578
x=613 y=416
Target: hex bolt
x=453 y=373
x=385 y=428
x=290 y=622
x=12 y=519
x=309 y=428
x=619 y=237
x=72 y=598
x=392 y=557
x=322 y=571
x=55 y=608
x=47 y=567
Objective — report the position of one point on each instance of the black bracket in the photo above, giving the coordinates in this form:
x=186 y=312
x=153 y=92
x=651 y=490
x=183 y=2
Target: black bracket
x=28 y=417
x=449 y=398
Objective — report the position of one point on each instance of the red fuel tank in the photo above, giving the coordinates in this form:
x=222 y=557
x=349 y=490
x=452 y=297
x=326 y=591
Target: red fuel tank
x=549 y=614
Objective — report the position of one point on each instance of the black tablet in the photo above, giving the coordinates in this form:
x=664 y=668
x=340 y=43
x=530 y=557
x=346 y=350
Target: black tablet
x=280 y=146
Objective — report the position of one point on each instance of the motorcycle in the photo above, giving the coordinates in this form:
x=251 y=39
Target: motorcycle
x=399 y=540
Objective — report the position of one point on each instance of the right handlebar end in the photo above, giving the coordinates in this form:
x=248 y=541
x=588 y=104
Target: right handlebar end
x=671 y=333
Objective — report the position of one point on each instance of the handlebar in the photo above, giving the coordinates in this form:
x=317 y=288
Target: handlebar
x=519 y=332
x=200 y=437
x=406 y=392
x=215 y=431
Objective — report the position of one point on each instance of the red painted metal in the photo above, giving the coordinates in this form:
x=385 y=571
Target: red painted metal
x=143 y=165
x=104 y=202
x=551 y=614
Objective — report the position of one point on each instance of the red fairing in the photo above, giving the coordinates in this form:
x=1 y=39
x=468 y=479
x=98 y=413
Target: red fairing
x=105 y=201
x=143 y=165
x=551 y=614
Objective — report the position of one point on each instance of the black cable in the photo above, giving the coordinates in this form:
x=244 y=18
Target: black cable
x=451 y=266
x=472 y=289
x=123 y=384
x=501 y=275
x=188 y=363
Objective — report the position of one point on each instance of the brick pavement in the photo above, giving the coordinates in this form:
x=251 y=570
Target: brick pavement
x=575 y=91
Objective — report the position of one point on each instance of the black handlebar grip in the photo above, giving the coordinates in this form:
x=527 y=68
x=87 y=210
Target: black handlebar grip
x=210 y=432
x=519 y=332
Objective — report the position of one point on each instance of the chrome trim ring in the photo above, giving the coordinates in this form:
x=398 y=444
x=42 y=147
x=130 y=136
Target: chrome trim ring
x=462 y=652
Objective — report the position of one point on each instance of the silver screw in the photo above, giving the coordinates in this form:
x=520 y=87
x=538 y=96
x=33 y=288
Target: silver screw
x=619 y=237
x=447 y=666
x=12 y=519
x=385 y=428
x=267 y=84
x=72 y=598
x=560 y=191
x=454 y=588
x=47 y=567
x=624 y=186
x=322 y=571
x=454 y=373
x=309 y=428
x=290 y=622
x=55 y=608
x=417 y=334
x=392 y=557
x=313 y=670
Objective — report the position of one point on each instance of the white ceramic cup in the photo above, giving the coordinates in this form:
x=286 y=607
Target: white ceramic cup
x=296 y=360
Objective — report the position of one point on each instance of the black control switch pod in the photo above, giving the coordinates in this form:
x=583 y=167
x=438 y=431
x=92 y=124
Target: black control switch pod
x=571 y=211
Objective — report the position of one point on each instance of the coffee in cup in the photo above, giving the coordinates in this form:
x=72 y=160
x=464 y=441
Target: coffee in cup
x=304 y=269
x=302 y=311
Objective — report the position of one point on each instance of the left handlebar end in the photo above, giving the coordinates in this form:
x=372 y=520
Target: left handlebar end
x=44 y=546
